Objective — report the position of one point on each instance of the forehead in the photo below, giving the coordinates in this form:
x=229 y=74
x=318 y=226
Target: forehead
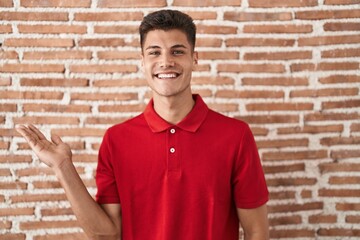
x=166 y=39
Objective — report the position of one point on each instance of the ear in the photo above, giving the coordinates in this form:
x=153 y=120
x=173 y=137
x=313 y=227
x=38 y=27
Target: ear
x=142 y=61
x=195 y=57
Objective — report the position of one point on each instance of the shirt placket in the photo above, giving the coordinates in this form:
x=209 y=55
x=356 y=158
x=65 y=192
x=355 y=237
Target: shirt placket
x=173 y=149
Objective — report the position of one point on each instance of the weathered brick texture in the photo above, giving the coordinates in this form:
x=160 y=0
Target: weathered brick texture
x=288 y=68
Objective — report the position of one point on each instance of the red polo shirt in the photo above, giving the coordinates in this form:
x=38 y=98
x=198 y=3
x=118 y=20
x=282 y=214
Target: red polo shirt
x=180 y=182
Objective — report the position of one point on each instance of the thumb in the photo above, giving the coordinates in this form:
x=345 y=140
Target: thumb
x=56 y=139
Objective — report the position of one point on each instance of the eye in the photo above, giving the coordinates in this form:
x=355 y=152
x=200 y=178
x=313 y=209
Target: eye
x=178 y=52
x=154 y=53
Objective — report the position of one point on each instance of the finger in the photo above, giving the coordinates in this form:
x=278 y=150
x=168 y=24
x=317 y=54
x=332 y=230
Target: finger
x=36 y=131
x=56 y=139
x=27 y=134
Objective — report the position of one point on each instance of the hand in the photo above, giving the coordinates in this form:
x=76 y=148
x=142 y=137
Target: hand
x=53 y=154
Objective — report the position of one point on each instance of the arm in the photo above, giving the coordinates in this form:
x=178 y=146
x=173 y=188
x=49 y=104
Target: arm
x=98 y=222
x=254 y=223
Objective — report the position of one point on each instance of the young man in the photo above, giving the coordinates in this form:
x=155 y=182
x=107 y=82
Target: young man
x=178 y=170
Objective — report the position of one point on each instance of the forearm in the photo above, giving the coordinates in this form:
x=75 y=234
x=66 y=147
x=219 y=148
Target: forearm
x=93 y=219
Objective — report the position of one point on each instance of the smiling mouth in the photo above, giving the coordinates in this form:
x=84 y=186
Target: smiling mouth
x=167 y=75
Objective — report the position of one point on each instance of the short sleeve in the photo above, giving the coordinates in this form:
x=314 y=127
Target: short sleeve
x=107 y=191
x=249 y=185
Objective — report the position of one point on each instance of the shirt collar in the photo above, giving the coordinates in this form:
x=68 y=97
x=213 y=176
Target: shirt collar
x=190 y=123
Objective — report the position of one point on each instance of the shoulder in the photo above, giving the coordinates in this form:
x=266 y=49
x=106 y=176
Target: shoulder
x=127 y=125
x=227 y=123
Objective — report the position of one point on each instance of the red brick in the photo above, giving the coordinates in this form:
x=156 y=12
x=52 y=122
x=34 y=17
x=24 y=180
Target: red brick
x=294 y=155
x=31 y=95
x=311 y=129
x=103 y=68
x=202 y=15
x=299 y=67
x=344 y=180
x=104 y=96
x=33 y=107
x=54 y=82
x=339 y=192
x=108 y=16
x=38 y=42
x=340 y=79
x=282 y=3
x=287 y=220
x=331 y=116
x=56 y=212
x=102 y=42
x=258 y=42
x=336 y=92
x=112 y=55
x=279 y=106
x=52 y=29
x=208 y=42
x=338 y=232
x=6 y=29
x=16 y=211
x=7 y=225
x=251 y=68
x=327 y=14
x=119 y=82
x=292 y=233
x=275 y=81
x=46 y=120
x=330 y=141
x=4 y=145
x=348 y=206
x=57 y=55
x=48 y=224
x=224 y=107
x=104 y=120
x=7 y=107
x=339 y=167
x=219 y=80
x=217 y=55
x=215 y=29
x=298 y=167
x=282 y=195
x=316 y=219
x=122 y=108
x=15 y=159
x=355 y=127
x=328 y=40
x=249 y=94
x=14 y=236
x=86 y=158
x=306 y=194
x=6 y=3
x=295 y=207
x=343 y=154
x=341 y=2
x=340 y=104
x=5 y=81
x=341 y=53
x=131 y=3
x=348 y=26
x=257 y=16
x=116 y=29
x=206 y=3
x=286 y=28
x=5 y=172
x=278 y=55
x=34 y=16
x=31 y=68
x=336 y=66
x=276 y=182
x=269 y=119
x=282 y=143
x=13 y=185
x=56 y=3
x=67 y=236
x=8 y=55
x=352 y=219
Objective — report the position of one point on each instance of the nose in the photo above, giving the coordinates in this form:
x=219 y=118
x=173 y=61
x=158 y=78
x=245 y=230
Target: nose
x=166 y=60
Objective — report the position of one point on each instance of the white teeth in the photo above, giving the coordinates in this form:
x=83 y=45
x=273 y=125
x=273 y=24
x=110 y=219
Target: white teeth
x=167 y=75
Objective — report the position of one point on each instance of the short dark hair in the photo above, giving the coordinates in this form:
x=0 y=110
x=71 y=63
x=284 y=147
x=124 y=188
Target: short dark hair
x=168 y=20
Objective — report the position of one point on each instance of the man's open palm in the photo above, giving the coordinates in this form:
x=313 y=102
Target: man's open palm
x=52 y=153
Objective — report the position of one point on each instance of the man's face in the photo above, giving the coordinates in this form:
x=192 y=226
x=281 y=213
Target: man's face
x=168 y=61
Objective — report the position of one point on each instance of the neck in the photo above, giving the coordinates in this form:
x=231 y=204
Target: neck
x=173 y=109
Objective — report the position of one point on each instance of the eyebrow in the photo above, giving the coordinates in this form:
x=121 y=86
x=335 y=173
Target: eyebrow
x=157 y=47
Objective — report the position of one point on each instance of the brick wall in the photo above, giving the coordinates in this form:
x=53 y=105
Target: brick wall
x=288 y=68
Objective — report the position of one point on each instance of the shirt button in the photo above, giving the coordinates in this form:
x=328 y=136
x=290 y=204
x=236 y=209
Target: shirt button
x=172 y=130
x=172 y=150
